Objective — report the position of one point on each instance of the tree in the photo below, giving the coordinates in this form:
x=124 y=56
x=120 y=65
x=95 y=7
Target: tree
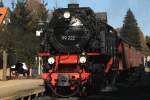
x=22 y=29
x=20 y=33
x=130 y=30
x=38 y=10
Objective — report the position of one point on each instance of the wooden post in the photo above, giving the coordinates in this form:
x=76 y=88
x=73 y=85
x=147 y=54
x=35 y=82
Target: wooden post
x=4 y=65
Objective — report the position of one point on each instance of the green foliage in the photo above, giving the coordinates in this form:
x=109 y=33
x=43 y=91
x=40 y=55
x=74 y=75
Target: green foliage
x=20 y=30
x=130 y=30
x=20 y=33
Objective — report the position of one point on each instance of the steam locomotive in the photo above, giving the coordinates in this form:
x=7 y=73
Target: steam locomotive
x=82 y=52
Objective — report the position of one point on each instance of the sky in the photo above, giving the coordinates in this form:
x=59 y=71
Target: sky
x=116 y=10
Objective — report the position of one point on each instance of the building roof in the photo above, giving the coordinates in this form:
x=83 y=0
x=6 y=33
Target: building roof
x=3 y=13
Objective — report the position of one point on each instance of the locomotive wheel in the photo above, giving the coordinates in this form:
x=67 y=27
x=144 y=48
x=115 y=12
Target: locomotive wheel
x=110 y=83
x=83 y=92
x=111 y=78
x=48 y=91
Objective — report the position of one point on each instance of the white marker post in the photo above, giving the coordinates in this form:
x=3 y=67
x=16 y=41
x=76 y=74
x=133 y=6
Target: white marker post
x=39 y=65
x=4 y=65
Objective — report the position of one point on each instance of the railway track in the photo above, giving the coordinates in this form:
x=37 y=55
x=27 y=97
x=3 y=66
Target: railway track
x=24 y=90
x=134 y=93
x=33 y=89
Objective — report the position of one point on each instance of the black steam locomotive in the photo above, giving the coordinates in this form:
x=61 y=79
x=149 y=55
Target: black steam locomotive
x=81 y=52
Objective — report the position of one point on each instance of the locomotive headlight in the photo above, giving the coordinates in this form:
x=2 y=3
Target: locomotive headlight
x=51 y=60
x=82 y=60
x=67 y=15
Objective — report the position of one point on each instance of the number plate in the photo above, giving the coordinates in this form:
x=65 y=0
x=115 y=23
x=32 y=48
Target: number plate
x=69 y=38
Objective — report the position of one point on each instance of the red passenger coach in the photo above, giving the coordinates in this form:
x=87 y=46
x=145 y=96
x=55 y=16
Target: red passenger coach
x=130 y=56
x=131 y=62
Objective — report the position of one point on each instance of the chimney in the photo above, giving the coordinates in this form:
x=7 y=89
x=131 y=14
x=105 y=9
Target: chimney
x=73 y=5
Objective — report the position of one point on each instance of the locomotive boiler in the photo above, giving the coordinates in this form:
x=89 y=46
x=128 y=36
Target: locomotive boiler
x=79 y=51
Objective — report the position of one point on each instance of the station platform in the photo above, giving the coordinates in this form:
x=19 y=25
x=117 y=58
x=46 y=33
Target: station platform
x=14 y=89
